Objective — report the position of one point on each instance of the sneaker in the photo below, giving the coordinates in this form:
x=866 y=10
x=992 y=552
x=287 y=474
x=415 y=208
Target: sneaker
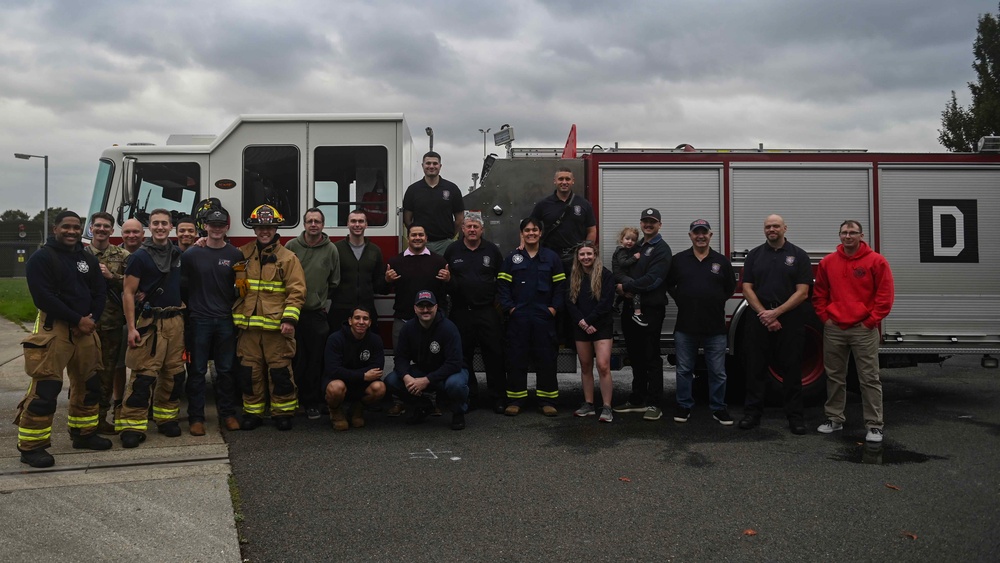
x=458 y=421
x=549 y=410
x=874 y=435
x=169 y=429
x=637 y=319
x=682 y=414
x=629 y=407
x=91 y=442
x=829 y=427
x=653 y=412
x=37 y=458
x=396 y=409
x=606 y=415
x=283 y=423
x=586 y=409
x=723 y=418
x=312 y=413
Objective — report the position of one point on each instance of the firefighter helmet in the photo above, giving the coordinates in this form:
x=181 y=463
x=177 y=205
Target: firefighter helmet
x=265 y=215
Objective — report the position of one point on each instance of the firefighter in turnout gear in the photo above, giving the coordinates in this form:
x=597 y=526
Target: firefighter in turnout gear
x=153 y=308
x=68 y=290
x=272 y=288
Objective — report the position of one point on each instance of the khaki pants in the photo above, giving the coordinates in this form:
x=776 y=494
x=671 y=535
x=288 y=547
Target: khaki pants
x=158 y=359
x=266 y=360
x=837 y=347
x=47 y=352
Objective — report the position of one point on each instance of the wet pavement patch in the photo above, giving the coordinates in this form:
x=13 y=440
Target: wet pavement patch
x=882 y=454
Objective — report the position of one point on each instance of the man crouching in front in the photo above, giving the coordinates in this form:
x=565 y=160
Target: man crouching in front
x=429 y=359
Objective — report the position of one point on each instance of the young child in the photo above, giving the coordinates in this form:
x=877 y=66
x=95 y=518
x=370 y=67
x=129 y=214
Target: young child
x=625 y=256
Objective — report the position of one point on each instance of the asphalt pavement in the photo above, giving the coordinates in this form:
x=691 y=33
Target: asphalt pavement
x=167 y=500
x=534 y=488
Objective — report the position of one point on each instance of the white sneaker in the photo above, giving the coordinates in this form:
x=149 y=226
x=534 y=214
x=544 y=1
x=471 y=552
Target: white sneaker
x=874 y=435
x=829 y=427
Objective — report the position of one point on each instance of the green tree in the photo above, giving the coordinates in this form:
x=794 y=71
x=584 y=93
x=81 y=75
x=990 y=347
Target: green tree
x=12 y=215
x=53 y=211
x=962 y=127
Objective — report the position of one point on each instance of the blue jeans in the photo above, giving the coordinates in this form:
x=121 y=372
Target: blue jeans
x=455 y=387
x=213 y=339
x=686 y=348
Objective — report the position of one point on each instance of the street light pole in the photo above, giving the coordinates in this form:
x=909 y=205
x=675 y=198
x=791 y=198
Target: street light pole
x=430 y=134
x=484 y=132
x=45 y=210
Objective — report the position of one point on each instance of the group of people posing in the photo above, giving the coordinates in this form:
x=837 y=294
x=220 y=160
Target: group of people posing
x=293 y=326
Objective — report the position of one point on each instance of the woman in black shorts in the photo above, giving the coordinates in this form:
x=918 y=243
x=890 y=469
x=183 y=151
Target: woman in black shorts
x=589 y=299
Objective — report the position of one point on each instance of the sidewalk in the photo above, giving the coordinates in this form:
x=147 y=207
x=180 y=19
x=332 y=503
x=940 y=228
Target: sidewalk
x=167 y=500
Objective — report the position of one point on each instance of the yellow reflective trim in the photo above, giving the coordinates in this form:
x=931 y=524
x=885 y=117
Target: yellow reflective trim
x=165 y=413
x=25 y=438
x=82 y=418
x=505 y=276
x=517 y=394
x=38 y=323
x=35 y=431
x=253 y=408
x=122 y=425
x=291 y=313
x=558 y=277
x=285 y=406
x=547 y=394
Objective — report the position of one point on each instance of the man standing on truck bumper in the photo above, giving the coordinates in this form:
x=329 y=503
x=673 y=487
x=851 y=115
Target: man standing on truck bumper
x=854 y=292
x=434 y=203
x=776 y=280
x=643 y=342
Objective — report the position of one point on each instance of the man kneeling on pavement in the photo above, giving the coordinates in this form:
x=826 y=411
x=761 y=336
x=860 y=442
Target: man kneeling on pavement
x=355 y=358
x=429 y=359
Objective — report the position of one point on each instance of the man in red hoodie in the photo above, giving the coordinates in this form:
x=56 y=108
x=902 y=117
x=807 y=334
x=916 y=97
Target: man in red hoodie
x=853 y=292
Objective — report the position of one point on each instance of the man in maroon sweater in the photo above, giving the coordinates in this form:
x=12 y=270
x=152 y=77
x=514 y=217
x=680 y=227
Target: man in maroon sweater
x=853 y=292
x=413 y=270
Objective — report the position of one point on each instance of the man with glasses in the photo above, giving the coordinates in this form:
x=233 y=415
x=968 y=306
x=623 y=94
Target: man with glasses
x=854 y=291
x=320 y=261
x=110 y=327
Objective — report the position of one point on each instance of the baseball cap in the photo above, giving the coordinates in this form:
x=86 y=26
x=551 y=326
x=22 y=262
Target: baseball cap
x=425 y=297
x=650 y=213
x=699 y=224
x=217 y=216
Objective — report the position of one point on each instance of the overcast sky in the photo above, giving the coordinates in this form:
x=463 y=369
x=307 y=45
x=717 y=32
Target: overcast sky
x=80 y=76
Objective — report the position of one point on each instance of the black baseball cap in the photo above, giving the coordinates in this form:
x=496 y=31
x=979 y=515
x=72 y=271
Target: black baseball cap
x=217 y=216
x=425 y=297
x=699 y=224
x=650 y=213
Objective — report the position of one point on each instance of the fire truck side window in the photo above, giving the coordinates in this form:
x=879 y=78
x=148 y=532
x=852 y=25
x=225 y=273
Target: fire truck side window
x=347 y=178
x=271 y=175
x=169 y=185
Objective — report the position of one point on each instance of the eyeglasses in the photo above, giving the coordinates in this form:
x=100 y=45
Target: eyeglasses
x=849 y=233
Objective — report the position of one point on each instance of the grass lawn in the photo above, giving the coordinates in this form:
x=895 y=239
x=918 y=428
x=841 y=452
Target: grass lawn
x=15 y=301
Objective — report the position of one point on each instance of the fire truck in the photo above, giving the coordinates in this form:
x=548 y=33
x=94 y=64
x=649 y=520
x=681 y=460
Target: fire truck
x=927 y=213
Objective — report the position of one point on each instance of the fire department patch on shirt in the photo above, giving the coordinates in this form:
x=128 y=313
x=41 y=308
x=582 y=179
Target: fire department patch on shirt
x=517 y=258
x=716 y=267
x=649 y=250
x=225 y=262
x=486 y=261
x=577 y=210
x=435 y=347
x=365 y=354
x=859 y=272
x=789 y=260
x=82 y=267
x=445 y=195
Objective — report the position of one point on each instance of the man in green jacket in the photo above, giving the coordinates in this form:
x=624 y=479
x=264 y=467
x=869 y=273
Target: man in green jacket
x=321 y=263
